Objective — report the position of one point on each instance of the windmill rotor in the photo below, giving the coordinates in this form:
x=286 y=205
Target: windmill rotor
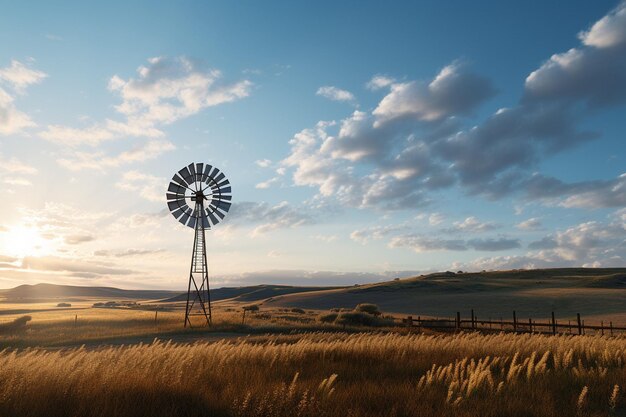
x=199 y=183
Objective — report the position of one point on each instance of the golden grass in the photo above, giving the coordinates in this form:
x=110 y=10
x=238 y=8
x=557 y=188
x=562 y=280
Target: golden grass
x=323 y=374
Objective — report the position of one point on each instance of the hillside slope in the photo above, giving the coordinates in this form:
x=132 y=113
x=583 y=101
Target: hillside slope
x=533 y=293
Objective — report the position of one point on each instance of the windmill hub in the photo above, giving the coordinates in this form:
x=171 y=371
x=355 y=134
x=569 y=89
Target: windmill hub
x=200 y=197
x=208 y=190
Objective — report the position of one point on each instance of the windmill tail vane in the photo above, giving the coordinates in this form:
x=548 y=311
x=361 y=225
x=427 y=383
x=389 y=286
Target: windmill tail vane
x=208 y=190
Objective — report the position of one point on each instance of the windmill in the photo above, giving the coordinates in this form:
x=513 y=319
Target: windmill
x=207 y=190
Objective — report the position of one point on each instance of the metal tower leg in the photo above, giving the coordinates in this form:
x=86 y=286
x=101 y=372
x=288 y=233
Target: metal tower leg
x=198 y=296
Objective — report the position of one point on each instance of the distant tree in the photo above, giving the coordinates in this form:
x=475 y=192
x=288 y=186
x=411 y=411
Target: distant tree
x=297 y=310
x=64 y=305
x=252 y=308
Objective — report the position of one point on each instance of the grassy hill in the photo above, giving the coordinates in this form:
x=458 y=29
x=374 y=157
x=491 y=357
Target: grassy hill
x=535 y=293
x=252 y=293
x=41 y=292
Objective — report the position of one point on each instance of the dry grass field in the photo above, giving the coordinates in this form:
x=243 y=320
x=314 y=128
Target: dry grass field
x=286 y=360
x=322 y=374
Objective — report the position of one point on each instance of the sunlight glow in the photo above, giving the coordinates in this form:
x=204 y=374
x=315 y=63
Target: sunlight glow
x=21 y=241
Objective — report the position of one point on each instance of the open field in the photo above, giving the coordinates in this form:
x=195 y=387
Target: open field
x=135 y=359
x=321 y=374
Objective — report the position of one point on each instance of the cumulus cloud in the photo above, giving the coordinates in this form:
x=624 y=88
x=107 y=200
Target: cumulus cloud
x=426 y=243
x=78 y=239
x=530 y=224
x=416 y=140
x=100 y=161
x=74 y=266
x=363 y=236
x=452 y=92
x=144 y=185
x=379 y=81
x=421 y=243
x=265 y=217
x=471 y=225
x=16 y=77
x=164 y=90
x=263 y=163
x=589 y=244
x=335 y=94
x=16 y=172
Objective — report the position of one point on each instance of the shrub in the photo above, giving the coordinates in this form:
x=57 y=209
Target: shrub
x=328 y=317
x=64 y=305
x=356 y=318
x=297 y=310
x=368 y=308
x=252 y=307
x=16 y=326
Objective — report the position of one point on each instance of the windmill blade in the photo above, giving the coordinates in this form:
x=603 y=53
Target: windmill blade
x=178 y=180
x=221 y=197
x=214 y=219
x=192 y=170
x=225 y=190
x=205 y=222
x=171 y=196
x=199 y=171
x=192 y=222
x=175 y=188
x=213 y=174
x=178 y=212
x=219 y=214
x=184 y=218
x=207 y=169
x=221 y=204
x=220 y=177
x=186 y=175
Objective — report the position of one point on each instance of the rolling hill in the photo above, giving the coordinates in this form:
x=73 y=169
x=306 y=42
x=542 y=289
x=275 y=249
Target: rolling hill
x=533 y=293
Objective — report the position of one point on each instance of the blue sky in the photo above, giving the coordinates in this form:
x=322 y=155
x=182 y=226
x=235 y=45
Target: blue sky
x=363 y=140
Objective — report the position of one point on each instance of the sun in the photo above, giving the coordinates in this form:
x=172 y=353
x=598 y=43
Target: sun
x=22 y=241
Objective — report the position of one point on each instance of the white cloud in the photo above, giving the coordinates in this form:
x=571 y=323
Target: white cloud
x=147 y=186
x=363 y=236
x=263 y=163
x=15 y=172
x=265 y=217
x=379 y=81
x=609 y=31
x=472 y=225
x=335 y=94
x=266 y=184
x=164 y=91
x=530 y=224
x=19 y=76
x=435 y=219
x=452 y=92
x=78 y=160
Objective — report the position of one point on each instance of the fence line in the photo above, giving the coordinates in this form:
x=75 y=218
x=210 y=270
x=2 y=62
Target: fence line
x=517 y=326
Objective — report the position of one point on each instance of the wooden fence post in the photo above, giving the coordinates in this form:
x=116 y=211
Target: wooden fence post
x=602 y=327
x=514 y=322
x=501 y=324
x=419 y=323
x=553 y=325
x=473 y=322
x=458 y=320
x=569 y=323
x=530 y=325
x=409 y=322
x=243 y=319
x=580 y=327
x=156 y=315
x=611 y=327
